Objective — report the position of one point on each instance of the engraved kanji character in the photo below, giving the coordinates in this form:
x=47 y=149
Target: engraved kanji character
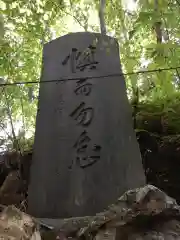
x=81 y=145
x=89 y=160
x=81 y=60
x=83 y=88
x=83 y=115
x=82 y=158
x=82 y=142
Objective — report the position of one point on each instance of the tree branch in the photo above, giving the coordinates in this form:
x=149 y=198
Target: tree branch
x=101 y=16
x=23 y=120
x=76 y=19
x=15 y=143
x=157 y=26
x=168 y=37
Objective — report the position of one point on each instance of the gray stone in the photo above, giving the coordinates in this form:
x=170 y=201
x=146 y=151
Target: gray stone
x=85 y=152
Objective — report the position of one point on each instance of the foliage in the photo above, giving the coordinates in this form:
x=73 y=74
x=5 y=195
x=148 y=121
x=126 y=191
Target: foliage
x=148 y=37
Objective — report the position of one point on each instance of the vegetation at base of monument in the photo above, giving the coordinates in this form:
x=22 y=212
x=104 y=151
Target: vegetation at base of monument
x=148 y=33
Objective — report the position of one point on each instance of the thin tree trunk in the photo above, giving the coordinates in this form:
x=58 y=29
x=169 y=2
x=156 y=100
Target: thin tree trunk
x=101 y=16
x=15 y=141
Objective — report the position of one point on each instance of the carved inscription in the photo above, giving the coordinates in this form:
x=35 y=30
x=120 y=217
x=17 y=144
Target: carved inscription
x=87 y=153
x=83 y=115
x=83 y=88
x=82 y=146
x=81 y=60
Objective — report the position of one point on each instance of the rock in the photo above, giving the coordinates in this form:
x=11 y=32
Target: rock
x=16 y=225
x=142 y=213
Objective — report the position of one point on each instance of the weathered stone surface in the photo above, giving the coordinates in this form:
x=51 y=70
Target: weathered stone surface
x=85 y=151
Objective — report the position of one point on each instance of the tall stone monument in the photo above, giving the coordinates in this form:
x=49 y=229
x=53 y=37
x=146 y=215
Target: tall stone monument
x=85 y=151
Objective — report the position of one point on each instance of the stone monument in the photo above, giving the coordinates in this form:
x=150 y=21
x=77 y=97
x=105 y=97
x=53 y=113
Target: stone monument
x=85 y=151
